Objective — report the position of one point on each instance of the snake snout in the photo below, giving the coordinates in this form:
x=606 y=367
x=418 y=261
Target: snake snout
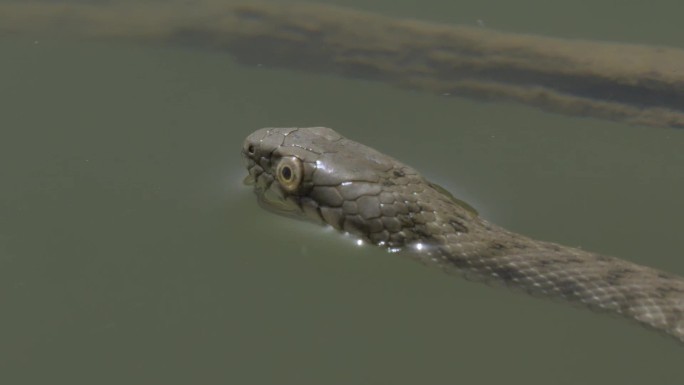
x=249 y=148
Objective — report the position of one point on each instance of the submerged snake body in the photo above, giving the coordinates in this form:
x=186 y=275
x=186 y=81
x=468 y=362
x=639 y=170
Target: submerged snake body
x=318 y=174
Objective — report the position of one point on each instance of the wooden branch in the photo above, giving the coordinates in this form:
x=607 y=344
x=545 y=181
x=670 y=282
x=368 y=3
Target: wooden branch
x=629 y=83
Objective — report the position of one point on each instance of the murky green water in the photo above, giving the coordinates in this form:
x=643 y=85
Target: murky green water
x=131 y=253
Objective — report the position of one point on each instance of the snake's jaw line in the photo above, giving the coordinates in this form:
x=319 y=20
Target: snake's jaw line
x=249 y=180
x=358 y=190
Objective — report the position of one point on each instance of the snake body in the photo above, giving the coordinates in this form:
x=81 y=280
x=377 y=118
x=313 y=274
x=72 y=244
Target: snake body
x=318 y=174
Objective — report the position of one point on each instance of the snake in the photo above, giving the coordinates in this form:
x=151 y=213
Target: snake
x=316 y=174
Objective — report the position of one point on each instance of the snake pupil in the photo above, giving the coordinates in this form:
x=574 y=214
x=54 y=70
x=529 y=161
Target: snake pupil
x=287 y=173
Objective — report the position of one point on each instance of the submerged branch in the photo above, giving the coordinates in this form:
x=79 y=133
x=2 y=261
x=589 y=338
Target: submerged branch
x=628 y=83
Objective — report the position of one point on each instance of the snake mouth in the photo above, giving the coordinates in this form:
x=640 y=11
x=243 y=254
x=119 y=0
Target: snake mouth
x=270 y=195
x=249 y=180
x=252 y=174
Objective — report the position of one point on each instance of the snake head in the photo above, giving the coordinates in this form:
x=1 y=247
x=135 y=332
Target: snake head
x=280 y=170
x=317 y=174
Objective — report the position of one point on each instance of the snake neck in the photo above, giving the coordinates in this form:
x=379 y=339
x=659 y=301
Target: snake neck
x=457 y=241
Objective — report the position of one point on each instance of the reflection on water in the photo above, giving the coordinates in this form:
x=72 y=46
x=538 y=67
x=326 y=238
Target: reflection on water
x=130 y=250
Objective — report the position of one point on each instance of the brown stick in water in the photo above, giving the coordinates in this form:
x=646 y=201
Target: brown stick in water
x=635 y=84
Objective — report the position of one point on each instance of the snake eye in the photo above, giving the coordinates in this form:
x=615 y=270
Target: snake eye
x=289 y=173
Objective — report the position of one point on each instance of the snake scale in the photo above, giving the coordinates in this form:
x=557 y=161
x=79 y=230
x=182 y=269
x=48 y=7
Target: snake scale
x=318 y=174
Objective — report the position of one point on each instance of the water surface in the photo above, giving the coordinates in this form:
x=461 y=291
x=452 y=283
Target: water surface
x=130 y=252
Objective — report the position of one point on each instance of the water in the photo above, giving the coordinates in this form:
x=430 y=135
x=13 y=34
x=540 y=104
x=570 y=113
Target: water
x=130 y=252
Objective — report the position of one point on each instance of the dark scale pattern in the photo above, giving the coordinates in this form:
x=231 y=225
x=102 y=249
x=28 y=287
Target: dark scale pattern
x=358 y=190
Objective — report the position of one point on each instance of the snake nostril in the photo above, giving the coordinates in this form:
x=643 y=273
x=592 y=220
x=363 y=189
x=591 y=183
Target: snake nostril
x=250 y=149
